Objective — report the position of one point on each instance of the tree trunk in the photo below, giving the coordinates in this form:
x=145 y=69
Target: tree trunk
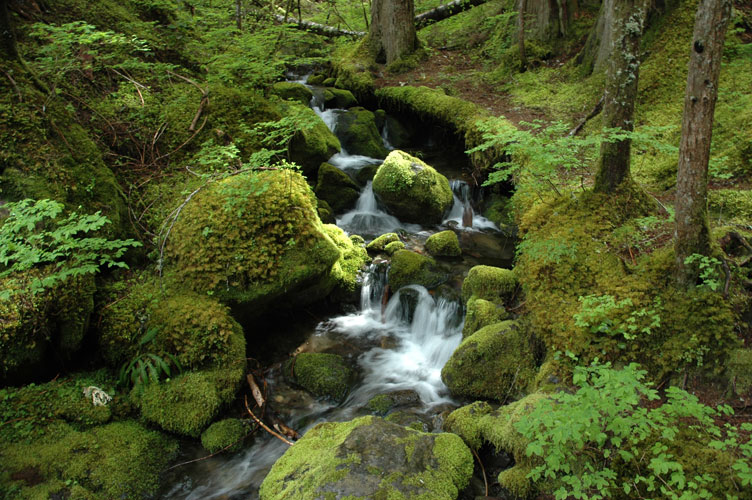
x=521 y=33
x=594 y=55
x=238 y=21
x=444 y=11
x=392 y=33
x=621 y=92
x=10 y=49
x=692 y=232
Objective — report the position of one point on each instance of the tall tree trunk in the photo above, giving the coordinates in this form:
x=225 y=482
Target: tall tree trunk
x=392 y=33
x=10 y=49
x=521 y=33
x=595 y=54
x=692 y=232
x=238 y=21
x=621 y=92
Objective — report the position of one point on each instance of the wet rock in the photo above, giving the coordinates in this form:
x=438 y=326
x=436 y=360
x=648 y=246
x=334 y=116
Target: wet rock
x=397 y=134
x=489 y=247
x=336 y=188
x=370 y=458
x=384 y=403
x=366 y=174
x=411 y=268
x=310 y=147
x=324 y=375
x=380 y=243
x=412 y=190
x=358 y=133
x=444 y=244
x=294 y=91
x=339 y=98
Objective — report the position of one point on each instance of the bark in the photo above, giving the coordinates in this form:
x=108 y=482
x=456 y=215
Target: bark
x=392 y=34
x=521 y=33
x=445 y=11
x=621 y=92
x=546 y=20
x=238 y=21
x=595 y=54
x=10 y=49
x=692 y=232
x=320 y=29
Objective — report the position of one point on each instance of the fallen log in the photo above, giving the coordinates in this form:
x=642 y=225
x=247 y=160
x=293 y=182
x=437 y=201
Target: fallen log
x=444 y=11
x=318 y=28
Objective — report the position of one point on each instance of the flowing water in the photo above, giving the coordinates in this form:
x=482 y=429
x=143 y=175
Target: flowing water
x=399 y=345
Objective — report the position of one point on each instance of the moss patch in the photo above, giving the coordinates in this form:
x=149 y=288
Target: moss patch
x=292 y=91
x=490 y=283
x=325 y=375
x=444 y=244
x=380 y=243
x=482 y=313
x=393 y=247
x=410 y=268
x=336 y=188
x=358 y=133
x=311 y=147
x=226 y=434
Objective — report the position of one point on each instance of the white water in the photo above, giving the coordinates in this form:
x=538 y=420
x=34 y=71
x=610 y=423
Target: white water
x=462 y=207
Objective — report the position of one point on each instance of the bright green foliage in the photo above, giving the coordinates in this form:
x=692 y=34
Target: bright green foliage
x=709 y=270
x=444 y=244
x=226 y=434
x=601 y=442
x=730 y=204
x=494 y=284
x=325 y=375
x=146 y=367
x=32 y=235
x=394 y=246
x=411 y=268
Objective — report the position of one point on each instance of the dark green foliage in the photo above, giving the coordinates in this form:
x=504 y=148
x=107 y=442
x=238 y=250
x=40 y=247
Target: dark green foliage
x=336 y=188
x=226 y=435
x=358 y=134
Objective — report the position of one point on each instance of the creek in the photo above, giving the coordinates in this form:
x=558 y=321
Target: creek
x=399 y=346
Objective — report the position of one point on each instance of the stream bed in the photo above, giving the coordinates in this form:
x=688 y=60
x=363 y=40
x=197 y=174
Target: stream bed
x=398 y=346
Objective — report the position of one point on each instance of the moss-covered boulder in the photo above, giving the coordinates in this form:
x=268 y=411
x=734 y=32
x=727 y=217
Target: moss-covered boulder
x=370 y=458
x=293 y=91
x=336 y=188
x=226 y=435
x=494 y=284
x=482 y=313
x=316 y=79
x=393 y=247
x=380 y=243
x=252 y=239
x=339 y=98
x=411 y=268
x=496 y=362
x=358 y=133
x=412 y=190
x=384 y=403
x=444 y=244
x=346 y=271
x=324 y=375
x=312 y=146
x=326 y=214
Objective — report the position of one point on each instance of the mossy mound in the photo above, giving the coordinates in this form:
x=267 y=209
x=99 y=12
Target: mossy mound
x=310 y=147
x=730 y=204
x=384 y=403
x=393 y=247
x=480 y=313
x=739 y=372
x=411 y=268
x=380 y=243
x=292 y=91
x=370 y=458
x=444 y=244
x=336 y=188
x=490 y=283
x=226 y=435
x=32 y=326
x=326 y=214
x=478 y=423
x=346 y=271
x=358 y=133
x=254 y=238
x=412 y=190
x=496 y=362
x=339 y=98
x=324 y=375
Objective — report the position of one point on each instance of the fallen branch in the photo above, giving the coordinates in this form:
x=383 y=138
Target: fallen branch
x=597 y=109
x=728 y=277
x=15 y=85
x=483 y=469
x=318 y=28
x=444 y=11
x=260 y=401
x=264 y=426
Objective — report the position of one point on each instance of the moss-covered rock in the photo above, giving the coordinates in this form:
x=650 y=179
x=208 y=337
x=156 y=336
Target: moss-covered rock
x=412 y=190
x=380 y=243
x=226 y=435
x=393 y=247
x=293 y=91
x=370 y=458
x=384 y=403
x=346 y=270
x=336 y=188
x=316 y=79
x=358 y=134
x=339 y=98
x=326 y=214
x=494 y=284
x=254 y=238
x=496 y=362
x=480 y=313
x=411 y=268
x=324 y=375
x=310 y=147
x=444 y=244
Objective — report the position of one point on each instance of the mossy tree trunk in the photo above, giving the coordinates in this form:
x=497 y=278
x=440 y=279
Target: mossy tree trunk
x=521 y=33
x=692 y=232
x=594 y=55
x=392 y=33
x=621 y=92
x=10 y=50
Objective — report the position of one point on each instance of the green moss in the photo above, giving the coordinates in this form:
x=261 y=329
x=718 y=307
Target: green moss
x=370 y=458
x=393 y=247
x=325 y=212
x=444 y=244
x=411 y=268
x=380 y=404
x=481 y=313
x=310 y=147
x=411 y=189
x=325 y=375
x=253 y=238
x=354 y=258
x=226 y=434
x=489 y=283
x=316 y=79
x=358 y=134
x=336 y=188
x=380 y=243
x=740 y=371
x=730 y=204
x=339 y=98
x=293 y=91
x=496 y=362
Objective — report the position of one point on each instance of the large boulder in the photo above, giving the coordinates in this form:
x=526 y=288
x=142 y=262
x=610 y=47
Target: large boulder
x=292 y=91
x=495 y=284
x=336 y=188
x=411 y=268
x=412 y=190
x=312 y=146
x=339 y=98
x=444 y=244
x=358 y=133
x=252 y=239
x=370 y=458
x=496 y=362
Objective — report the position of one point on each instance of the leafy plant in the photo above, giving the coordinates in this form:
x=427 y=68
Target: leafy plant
x=709 y=270
x=602 y=314
x=146 y=367
x=34 y=235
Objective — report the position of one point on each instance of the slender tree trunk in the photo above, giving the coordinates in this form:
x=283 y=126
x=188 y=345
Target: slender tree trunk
x=692 y=232
x=8 y=41
x=621 y=92
x=392 y=33
x=521 y=33
x=238 y=21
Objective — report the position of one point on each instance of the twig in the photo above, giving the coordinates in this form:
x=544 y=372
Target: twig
x=728 y=277
x=15 y=85
x=204 y=102
x=483 y=469
x=183 y=145
x=264 y=426
x=192 y=82
x=212 y=454
x=597 y=109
